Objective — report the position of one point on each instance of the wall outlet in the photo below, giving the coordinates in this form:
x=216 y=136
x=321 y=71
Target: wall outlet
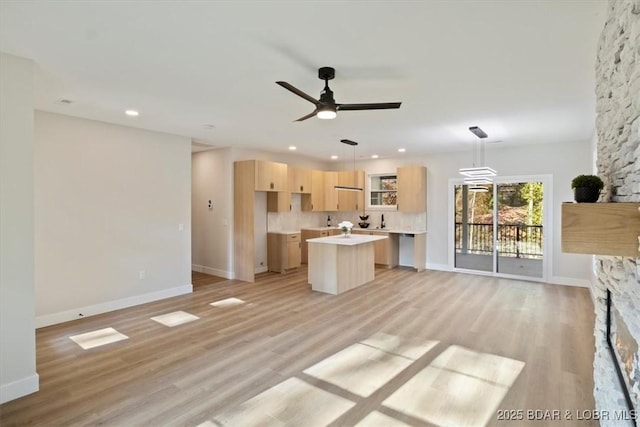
x=180 y=227
x=142 y=274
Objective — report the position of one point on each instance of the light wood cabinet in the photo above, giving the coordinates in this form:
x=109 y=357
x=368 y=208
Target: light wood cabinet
x=330 y=192
x=278 y=201
x=299 y=180
x=283 y=251
x=310 y=234
x=270 y=176
x=387 y=251
x=349 y=201
x=412 y=189
x=601 y=228
x=315 y=201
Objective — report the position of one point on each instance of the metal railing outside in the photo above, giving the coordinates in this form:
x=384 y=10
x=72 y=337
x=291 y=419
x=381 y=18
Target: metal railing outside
x=516 y=240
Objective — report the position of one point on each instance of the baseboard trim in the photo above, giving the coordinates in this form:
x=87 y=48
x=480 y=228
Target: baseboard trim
x=92 y=310
x=212 y=271
x=440 y=267
x=570 y=281
x=19 y=388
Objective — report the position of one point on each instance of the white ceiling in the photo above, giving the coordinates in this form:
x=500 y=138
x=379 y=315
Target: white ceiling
x=521 y=70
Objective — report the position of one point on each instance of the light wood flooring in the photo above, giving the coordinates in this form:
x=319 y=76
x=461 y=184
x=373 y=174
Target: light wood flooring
x=418 y=334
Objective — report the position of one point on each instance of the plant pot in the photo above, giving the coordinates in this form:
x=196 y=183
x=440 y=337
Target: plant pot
x=586 y=194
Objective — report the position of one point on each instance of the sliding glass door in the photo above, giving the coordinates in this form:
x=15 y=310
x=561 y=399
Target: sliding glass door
x=498 y=228
x=474 y=227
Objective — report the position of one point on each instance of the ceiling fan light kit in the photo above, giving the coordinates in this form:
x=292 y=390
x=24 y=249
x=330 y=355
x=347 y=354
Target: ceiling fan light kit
x=326 y=106
x=326 y=113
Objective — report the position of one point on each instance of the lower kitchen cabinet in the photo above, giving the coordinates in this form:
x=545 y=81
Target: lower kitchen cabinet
x=387 y=253
x=283 y=251
x=310 y=234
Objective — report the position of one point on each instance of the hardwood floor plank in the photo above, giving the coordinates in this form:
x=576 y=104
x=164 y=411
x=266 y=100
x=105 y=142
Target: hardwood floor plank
x=193 y=372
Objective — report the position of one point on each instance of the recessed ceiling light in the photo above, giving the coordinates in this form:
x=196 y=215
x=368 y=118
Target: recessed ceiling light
x=65 y=101
x=334 y=157
x=132 y=113
x=374 y=156
x=292 y=147
x=401 y=150
x=208 y=126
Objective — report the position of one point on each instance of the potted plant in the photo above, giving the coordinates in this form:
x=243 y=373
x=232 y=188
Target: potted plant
x=586 y=188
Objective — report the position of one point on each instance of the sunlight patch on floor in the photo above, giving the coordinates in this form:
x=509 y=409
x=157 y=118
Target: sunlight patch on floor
x=292 y=402
x=175 y=318
x=364 y=367
x=227 y=302
x=460 y=388
x=97 y=338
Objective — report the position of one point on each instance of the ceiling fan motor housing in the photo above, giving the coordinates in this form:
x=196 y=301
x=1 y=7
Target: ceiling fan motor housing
x=326 y=73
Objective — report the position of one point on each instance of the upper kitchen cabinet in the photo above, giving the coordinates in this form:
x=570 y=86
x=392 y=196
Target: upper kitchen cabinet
x=412 y=189
x=330 y=192
x=299 y=180
x=349 y=201
x=314 y=201
x=270 y=176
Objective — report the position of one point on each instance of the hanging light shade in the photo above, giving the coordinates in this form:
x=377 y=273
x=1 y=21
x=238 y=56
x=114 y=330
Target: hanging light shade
x=479 y=173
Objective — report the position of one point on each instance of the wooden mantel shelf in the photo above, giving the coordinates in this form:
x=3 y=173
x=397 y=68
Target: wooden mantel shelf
x=601 y=228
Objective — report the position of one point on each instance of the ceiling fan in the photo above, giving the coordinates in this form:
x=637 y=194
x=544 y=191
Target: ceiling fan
x=326 y=106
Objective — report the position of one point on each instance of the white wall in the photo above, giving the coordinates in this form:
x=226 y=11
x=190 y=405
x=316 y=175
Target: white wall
x=109 y=202
x=18 y=375
x=211 y=244
x=212 y=178
x=563 y=162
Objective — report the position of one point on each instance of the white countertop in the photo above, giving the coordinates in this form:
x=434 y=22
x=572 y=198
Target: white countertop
x=284 y=232
x=353 y=240
x=319 y=228
x=385 y=230
x=404 y=231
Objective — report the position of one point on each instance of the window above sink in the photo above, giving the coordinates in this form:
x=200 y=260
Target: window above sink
x=382 y=191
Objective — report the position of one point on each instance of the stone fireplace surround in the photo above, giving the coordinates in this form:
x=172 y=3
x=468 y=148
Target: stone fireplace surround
x=618 y=164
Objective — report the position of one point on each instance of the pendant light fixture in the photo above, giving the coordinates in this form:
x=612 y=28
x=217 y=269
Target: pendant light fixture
x=479 y=173
x=346 y=187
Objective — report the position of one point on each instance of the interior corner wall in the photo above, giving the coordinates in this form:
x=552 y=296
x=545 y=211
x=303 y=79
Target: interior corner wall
x=112 y=217
x=212 y=227
x=18 y=375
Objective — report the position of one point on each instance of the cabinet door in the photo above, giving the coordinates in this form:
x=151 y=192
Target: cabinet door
x=278 y=201
x=293 y=254
x=347 y=199
x=317 y=193
x=270 y=176
x=330 y=192
x=299 y=180
x=381 y=248
x=412 y=189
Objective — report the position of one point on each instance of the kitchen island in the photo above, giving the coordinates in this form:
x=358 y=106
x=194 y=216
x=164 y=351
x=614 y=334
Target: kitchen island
x=338 y=264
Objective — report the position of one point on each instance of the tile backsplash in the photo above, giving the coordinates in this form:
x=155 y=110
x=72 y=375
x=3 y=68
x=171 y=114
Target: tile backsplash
x=297 y=219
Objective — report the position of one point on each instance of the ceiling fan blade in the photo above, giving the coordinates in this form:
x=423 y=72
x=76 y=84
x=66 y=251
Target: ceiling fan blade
x=308 y=116
x=298 y=92
x=374 y=106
